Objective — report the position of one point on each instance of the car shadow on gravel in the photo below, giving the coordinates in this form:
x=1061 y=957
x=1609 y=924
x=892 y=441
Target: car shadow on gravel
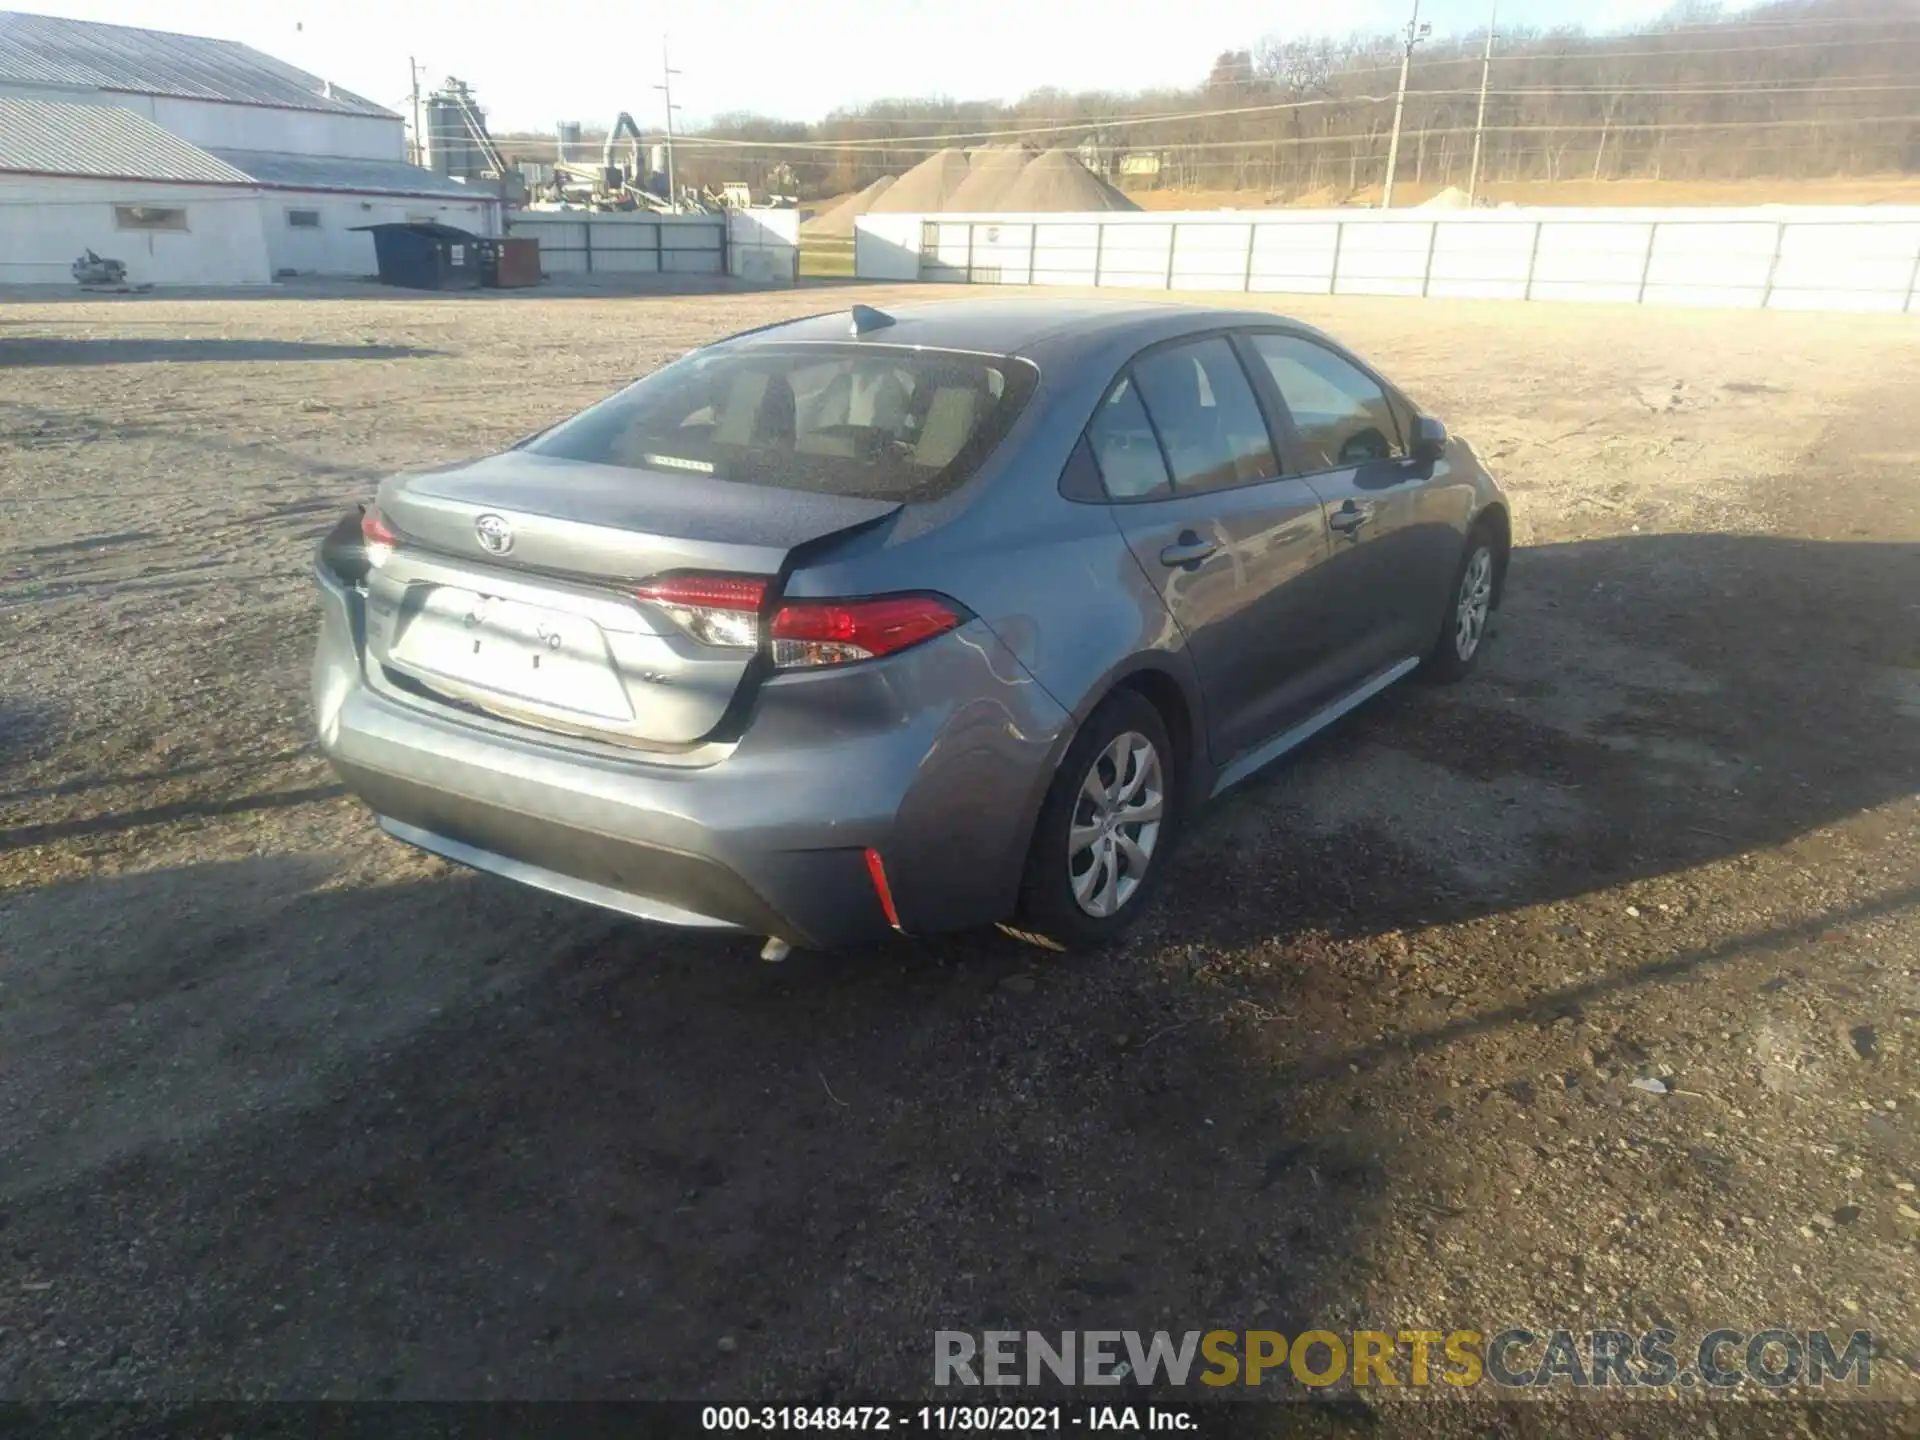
x=51 y=351
x=594 y=1150
x=1649 y=704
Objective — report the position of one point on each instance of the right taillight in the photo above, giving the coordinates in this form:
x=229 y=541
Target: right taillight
x=811 y=633
x=713 y=609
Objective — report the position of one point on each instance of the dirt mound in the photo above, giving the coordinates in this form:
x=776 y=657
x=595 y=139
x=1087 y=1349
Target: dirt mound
x=1325 y=198
x=838 y=222
x=991 y=173
x=927 y=187
x=1451 y=198
x=1057 y=181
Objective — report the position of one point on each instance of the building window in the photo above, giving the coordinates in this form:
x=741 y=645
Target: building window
x=149 y=217
x=303 y=219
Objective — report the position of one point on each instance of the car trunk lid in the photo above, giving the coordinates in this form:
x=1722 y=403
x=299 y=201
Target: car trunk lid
x=515 y=587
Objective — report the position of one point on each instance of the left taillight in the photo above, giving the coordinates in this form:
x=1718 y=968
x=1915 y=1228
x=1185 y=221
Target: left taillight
x=357 y=545
x=376 y=537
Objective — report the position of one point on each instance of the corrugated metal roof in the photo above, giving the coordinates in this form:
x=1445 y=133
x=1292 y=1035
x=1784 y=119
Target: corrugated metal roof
x=49 y=50
x=53 y=138
x=335 y=172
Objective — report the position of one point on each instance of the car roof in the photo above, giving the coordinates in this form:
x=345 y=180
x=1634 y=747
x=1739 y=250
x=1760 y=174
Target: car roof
x=1024 y=327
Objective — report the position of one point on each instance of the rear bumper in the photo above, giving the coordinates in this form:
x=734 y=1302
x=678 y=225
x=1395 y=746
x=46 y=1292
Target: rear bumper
x=936 y=757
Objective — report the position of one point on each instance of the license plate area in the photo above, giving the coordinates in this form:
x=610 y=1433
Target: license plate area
x=478 y=644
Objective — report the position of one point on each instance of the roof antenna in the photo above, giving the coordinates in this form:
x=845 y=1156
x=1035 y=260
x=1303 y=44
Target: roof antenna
x=866 y=318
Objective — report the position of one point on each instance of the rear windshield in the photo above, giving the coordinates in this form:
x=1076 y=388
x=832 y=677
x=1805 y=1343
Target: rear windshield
x=889 y=424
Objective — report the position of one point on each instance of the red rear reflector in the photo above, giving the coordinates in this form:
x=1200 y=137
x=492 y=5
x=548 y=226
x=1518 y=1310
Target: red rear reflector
x=713 y=609
x=837 y=632
x=878 y=872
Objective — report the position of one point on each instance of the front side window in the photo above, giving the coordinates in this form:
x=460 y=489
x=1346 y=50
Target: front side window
x=1340 y=414
x=1204 y=411
x=844 y=420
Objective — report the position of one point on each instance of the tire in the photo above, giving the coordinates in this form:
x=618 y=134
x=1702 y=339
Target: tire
x=1067 y=902
x=1463 y=631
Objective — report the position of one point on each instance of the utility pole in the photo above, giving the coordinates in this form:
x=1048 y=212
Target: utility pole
x=1480 y=120
x=1416 y=32
x=667 y=72
x=419 y=145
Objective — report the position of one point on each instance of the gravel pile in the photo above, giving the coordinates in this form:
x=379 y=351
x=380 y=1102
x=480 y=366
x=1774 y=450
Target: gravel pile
x=991 y=174
x=927 y=187
x=1057 y=181
x=837 y=223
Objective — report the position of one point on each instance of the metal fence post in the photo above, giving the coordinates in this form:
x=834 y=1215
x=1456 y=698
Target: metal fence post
x=1033 y=245
x=586 y=229
x=1173 y=249
x=1433 y=238
x=969 y=252
x=1913 y=283
x=1099 y=249
x=1533 y=259
x=1646 y=265
x=1773 y=265
x=1246 y=279
x=1333 y=276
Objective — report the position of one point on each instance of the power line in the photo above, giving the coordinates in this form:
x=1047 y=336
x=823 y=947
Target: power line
x=1649 y=127
x=1110 y=120
x=916 y=144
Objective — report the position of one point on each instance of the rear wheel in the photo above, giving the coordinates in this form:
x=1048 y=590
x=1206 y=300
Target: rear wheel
x=1463 y=634
x=1098 y=848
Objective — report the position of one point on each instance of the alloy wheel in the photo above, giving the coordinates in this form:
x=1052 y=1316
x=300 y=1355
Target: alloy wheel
x=1116 y=824
x=1476 y=599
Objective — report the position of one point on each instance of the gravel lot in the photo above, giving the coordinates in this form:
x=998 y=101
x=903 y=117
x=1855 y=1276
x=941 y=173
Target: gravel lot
x=287 y=1110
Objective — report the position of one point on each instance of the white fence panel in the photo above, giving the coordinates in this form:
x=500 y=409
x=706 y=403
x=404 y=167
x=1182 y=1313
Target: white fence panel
x=1211 y=257
x=1294 y=258
x=1387 y=258
x=1784 y=257
x=764 y=245
x=1486 y=262
x=1003 y=254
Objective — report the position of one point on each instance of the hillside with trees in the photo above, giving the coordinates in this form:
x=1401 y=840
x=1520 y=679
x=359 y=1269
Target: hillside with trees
x=1798 y=88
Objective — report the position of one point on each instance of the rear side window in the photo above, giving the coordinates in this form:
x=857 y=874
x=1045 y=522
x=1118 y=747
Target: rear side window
x=1125 y=449
x=843 y=420
x=1207 y=419
x=1340 y=414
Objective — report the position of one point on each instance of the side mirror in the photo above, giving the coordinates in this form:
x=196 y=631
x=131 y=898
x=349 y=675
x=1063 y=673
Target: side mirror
x=1429 y=439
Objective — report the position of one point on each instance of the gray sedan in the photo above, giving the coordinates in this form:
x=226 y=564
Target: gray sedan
x=910 y=622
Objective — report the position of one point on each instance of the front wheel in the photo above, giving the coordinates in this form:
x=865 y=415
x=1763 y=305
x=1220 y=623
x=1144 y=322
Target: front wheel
x=1099 y=845
x=1463 y=634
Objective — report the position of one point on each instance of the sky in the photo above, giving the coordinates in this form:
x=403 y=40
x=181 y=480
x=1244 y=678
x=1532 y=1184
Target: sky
x=588 y=60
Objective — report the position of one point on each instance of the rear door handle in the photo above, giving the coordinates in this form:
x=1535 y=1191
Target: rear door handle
x=1350 y=517
x=1188 y=551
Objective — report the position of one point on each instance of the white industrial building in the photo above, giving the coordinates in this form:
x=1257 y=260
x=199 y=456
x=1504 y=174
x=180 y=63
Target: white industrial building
x=195 y=161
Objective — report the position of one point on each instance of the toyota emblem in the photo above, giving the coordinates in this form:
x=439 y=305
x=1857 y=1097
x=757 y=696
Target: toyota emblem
x=496 y=536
